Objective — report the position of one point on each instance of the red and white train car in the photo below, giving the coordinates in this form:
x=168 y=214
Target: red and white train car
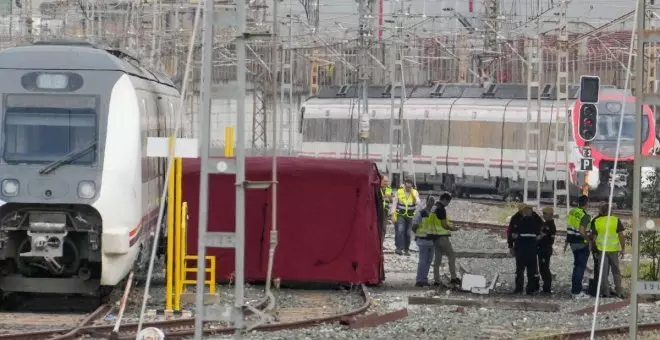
x=471 y=139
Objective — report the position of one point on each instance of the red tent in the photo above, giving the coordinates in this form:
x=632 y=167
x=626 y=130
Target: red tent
x=327 y=220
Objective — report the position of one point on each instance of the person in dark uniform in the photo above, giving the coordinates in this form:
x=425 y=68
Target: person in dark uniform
x=524 y=229
x=545 y=242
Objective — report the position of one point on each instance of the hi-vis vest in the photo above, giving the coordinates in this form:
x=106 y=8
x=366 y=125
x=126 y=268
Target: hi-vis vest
x=431 y=225
x=406 y=205
x=611 y=243
x=573 y=226
x=386 y=201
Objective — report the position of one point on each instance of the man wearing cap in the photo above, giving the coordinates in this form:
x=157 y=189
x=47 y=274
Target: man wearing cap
x=524 y=228
x=545 y=242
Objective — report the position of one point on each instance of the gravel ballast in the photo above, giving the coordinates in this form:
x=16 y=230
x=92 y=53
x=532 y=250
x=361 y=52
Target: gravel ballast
x=451 y=322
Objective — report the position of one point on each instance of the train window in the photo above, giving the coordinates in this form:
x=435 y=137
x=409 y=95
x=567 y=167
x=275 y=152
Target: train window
x=42 y=135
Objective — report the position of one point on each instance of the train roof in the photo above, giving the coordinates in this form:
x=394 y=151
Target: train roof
x=494 y=91
x=77 y=55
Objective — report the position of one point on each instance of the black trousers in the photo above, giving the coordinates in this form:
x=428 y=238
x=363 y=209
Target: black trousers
x=544 y=270
x=526 y=261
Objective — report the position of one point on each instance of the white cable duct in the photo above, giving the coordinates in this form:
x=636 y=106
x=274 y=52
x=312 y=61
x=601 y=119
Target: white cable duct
x=170 y=161
x=616 y=162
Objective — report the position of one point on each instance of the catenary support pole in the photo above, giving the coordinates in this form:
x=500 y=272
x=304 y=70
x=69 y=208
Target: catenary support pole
x=241 y=68
x=182 y=97
x=204 y=143
x=637 y=182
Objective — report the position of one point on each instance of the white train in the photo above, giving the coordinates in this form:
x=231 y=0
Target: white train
x=78 y=195
x=471 y=139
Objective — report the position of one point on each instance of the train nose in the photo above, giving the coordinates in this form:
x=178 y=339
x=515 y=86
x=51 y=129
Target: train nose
x=593 y=179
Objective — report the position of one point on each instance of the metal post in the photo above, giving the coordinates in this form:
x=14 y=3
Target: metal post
x=561 y=88
x=363 y=104
x=532 y=133
x=637 y=183
x=205 y=144
x=286 y=88
x=241 y=68
x=395 y=148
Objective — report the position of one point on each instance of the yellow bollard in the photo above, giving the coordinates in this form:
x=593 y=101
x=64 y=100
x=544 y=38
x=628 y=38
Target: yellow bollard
x=178 y=166
x=170 y=233
x=229 y=141
x=181 y=260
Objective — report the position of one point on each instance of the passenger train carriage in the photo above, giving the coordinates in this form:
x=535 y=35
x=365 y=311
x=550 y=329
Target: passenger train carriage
x=78 y=195
x=471 y=139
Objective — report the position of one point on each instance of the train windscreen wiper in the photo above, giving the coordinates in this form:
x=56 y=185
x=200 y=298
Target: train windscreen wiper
x=70 y=157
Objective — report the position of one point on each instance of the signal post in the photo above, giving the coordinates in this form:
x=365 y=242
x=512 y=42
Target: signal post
x=644 y=38
x=588 y=123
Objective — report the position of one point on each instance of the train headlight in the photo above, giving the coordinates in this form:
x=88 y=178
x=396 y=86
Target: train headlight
x=86 y=189
x=10 y=187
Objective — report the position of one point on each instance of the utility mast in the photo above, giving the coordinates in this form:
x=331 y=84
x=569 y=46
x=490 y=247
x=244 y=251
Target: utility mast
x=364 y=31
x=533 y=126
x=261 y=83
x=286 y=89
x=491 y=11
x=397 y=90
x=561 y=131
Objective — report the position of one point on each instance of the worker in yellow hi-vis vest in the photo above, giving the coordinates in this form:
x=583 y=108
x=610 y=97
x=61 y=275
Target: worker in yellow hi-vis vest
x=386 y=193
x=405 y=203
x=607 y=233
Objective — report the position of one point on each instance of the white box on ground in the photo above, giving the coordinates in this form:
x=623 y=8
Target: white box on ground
x=470 y=281
x=183 y=147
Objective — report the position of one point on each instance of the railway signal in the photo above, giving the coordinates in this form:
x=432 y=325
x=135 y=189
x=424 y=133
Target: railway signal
x=589 y=88
x=588 y=122
x=588 y=118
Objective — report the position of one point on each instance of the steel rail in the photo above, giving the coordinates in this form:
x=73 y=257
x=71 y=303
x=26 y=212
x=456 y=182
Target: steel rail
x=586 y=333
x=184 y=328
x=100 y=312
x=106 y=330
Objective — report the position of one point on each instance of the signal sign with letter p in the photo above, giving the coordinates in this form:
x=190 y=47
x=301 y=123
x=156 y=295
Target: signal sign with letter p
x=586 y=164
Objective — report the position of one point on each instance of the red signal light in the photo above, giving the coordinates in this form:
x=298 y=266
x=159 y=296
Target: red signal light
x=587 y=122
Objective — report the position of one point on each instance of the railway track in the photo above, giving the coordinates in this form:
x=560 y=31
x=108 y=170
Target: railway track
x=600 y=333
x=62 y=334
x=180 y=328
x=499 y=202
x=592 y=206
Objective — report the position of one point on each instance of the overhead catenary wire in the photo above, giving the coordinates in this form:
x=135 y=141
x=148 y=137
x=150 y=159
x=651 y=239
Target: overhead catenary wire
x=170 y=162
x=616 y=162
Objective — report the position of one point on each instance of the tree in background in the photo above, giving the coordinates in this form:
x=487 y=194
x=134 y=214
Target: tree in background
x=649 y=240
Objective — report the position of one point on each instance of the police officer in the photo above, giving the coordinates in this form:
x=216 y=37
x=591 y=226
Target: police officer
x=525 y=228
x=607 y=232
x=545 y=242
x=577 y=223
x=386 y=193
x=406 y=201
x=423 y=226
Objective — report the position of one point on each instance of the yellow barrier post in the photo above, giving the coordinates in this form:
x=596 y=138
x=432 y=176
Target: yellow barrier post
x=229 y=141
x=170 y=233
x=178 y=166
x=181 y=260
x=183 y=271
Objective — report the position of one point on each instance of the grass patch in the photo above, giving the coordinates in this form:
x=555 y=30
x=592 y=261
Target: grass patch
x=502 y=214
